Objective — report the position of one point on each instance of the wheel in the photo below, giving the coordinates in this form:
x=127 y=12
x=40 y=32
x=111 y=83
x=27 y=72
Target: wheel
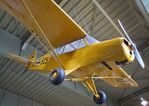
x=101 y=99
x=57 y=76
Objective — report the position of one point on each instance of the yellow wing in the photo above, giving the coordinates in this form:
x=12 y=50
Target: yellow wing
x=58 y=27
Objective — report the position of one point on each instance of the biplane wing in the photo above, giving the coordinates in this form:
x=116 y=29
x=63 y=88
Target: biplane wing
x=56 y=25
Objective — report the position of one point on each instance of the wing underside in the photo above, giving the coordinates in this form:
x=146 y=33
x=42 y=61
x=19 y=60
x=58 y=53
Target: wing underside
x=58 y=27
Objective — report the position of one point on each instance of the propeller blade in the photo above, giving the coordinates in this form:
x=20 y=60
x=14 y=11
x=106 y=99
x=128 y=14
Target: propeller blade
x=126 y=35
x=138 y=57
x=136 y=52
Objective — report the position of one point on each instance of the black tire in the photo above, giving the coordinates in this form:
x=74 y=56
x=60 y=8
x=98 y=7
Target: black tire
x=59 y=76
x=101 y=99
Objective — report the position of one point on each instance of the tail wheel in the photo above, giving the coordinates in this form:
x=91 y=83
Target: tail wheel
x=57 y=76
x=101 y=99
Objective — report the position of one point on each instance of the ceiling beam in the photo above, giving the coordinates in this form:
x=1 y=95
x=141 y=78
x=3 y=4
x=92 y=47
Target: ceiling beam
x=144 y=45
x=9 y=43
x=26 y=43
x=107 y=16
x=57 y=1
x=142 y=9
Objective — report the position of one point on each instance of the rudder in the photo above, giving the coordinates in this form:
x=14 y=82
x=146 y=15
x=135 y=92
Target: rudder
x=32 y=57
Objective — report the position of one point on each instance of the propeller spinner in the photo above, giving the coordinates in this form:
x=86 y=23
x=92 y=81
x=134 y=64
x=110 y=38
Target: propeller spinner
x=136 y=52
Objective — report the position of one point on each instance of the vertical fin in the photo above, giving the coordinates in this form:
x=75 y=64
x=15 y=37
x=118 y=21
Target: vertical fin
x=32 y=57
x=32 y=60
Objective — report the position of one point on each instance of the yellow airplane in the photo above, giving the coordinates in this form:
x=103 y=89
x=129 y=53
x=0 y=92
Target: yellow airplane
x=100 y=60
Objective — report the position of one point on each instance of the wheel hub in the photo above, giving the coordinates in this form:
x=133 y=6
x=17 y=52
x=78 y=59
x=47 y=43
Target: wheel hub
x=54 y=75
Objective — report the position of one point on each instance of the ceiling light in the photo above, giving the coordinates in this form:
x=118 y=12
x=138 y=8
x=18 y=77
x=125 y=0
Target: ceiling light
x=143 y=102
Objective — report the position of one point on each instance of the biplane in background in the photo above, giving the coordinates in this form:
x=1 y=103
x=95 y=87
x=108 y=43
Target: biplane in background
x=101 y=60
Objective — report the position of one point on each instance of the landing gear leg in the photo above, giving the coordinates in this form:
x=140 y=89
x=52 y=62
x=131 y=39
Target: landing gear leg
x=99 y=97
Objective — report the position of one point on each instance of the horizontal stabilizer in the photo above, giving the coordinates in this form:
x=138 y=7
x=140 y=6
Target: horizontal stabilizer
x=17 y=58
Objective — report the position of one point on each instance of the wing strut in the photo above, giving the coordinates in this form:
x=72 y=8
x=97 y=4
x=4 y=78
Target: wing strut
x=44 y=36
x=85 y=41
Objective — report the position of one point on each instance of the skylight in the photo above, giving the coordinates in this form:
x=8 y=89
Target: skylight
x=146 y=5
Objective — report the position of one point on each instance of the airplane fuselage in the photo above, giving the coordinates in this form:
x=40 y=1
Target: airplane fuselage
x=117 y=50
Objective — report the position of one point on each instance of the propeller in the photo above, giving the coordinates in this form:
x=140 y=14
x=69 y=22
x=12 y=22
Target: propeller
x=136 y=52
